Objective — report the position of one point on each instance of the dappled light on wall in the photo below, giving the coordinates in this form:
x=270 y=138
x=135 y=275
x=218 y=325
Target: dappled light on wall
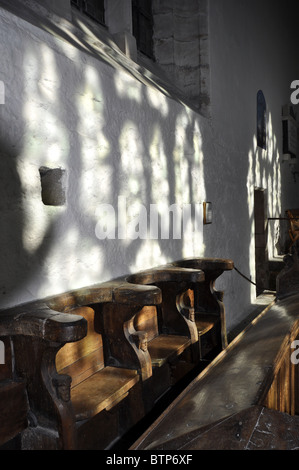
x=116 y=141
x=264 y=171
x=127 y=87
x=158 y=101
x=91 y=148
x=45 y=140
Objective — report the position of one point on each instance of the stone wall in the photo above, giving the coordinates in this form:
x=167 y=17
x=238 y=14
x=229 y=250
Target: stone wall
x=181 y=47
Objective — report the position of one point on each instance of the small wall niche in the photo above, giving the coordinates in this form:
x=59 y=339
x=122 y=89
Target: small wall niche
x=53 y=187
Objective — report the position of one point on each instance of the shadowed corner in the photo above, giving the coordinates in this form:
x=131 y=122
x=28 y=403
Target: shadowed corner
x=2 y=352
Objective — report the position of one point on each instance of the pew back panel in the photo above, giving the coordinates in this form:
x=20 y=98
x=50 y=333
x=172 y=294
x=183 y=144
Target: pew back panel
x=84 y=357
x=13 y=409
x=209 y=309
x=94 y=387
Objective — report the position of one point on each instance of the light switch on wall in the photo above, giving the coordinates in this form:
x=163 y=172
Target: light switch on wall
x=207 y=213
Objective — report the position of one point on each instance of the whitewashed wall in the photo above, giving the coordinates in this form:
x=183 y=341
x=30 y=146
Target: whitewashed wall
x=114 y=137
x=69 y=104
x=252 y=47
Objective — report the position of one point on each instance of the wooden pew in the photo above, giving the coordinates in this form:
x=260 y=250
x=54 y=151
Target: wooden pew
x=209 y=309
x=172 y=337
x=91 y=363
x=23 y=329
x=59 y=356
x=13 y=400
x=293 y=217
x=248 y=396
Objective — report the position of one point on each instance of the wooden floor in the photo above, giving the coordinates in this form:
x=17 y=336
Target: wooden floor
x=256 y=428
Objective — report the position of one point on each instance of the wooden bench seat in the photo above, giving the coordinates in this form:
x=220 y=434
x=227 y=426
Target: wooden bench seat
x=172 y=337
x=20 y=375
x=101 y=391
x=293 y=217
x=93 y=362
x=207 y=322
x=60 y=354
x=209 y=309
x=221 y=407
x=165 y=348
x=94 y=387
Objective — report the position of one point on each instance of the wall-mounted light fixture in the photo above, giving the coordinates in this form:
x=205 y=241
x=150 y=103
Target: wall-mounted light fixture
x=207 y=213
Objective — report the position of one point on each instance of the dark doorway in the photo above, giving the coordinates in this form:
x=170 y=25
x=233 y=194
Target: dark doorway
x=261 y=240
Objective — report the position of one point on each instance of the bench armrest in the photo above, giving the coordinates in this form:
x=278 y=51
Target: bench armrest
x=119 y=291
x=42 y=322
x=208 y=265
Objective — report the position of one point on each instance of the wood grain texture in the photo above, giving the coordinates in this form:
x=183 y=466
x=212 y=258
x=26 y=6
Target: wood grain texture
x=104 y=353
x=255 y=428
x=165 y=348
x=101 y=390
x=13 y=409
x=254 y=370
